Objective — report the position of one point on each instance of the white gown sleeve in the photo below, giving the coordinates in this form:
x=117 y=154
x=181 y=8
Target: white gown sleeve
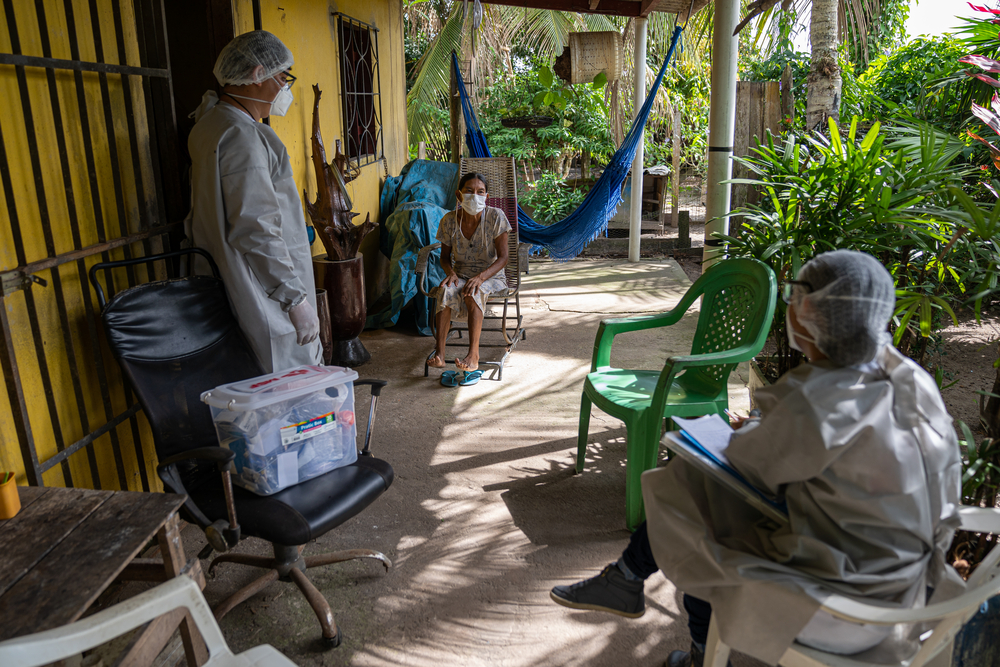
x=254 y=217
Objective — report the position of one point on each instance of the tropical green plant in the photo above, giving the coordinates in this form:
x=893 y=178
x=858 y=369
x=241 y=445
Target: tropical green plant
x=551 y=198
x=917 y=77
x=579 y=127
x=980 y=488
x=892 y=202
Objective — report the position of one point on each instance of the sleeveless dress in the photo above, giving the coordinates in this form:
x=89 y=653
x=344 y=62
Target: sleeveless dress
x=470 y=257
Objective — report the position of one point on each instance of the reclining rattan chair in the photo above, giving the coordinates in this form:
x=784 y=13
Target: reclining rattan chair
x=175 y=339
x=502 y=177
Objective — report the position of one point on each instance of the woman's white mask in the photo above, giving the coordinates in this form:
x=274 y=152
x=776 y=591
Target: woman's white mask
x=473 y=204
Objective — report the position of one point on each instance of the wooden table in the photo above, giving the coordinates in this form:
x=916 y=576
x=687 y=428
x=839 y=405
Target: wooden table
x=66 y=546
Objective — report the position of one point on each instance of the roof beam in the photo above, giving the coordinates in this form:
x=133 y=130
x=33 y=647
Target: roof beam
x=593 y=5
x=647 y=7
x=627 y=8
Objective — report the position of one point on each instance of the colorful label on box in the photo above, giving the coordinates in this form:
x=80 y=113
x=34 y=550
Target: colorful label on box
x=307 y=429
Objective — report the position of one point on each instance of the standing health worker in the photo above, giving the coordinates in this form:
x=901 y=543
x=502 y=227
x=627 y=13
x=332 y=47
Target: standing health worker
x=245 y=207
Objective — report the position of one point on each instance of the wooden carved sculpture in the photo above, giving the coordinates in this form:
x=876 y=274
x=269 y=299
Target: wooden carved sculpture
x=331 y=213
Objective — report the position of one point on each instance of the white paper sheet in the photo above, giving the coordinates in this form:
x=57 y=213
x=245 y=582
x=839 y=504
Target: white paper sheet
x=711 y=432
x=288 y=469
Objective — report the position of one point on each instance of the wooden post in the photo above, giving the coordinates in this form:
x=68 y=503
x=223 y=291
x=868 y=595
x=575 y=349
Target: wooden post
x=457 y=122
x=676 y=195
x=787 y=95
x=757 y=111
x=422 y=150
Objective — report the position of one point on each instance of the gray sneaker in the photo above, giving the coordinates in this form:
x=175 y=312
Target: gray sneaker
x=609 y=591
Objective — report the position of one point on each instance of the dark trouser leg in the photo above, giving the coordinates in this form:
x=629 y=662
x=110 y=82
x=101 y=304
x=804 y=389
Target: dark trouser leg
x=638 y=556
x=699 y=615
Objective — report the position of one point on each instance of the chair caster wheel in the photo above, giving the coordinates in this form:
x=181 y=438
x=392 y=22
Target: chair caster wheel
x=333 y=642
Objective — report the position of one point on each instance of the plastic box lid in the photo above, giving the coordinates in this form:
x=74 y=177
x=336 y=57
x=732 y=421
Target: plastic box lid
x=267 y=389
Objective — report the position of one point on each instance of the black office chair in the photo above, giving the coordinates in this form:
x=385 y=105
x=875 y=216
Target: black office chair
x=178 y=338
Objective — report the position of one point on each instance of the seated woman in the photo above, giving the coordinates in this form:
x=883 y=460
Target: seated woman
x=473 y=255
x=859 y=445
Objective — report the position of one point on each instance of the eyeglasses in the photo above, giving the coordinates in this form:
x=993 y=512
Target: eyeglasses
x=289 y=79
x=788 y=287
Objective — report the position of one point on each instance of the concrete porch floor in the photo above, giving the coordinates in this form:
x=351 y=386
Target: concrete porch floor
x=485 y=514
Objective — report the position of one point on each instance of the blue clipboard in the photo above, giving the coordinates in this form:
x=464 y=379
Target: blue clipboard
x=688 y=449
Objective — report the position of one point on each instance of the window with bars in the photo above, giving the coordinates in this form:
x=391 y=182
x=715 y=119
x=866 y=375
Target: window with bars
x=360 y=90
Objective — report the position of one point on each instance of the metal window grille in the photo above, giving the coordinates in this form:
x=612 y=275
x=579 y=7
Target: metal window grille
x=361 y=90
x=109 y=119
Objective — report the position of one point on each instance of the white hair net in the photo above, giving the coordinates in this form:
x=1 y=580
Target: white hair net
x=848 y=308
x=252 y=57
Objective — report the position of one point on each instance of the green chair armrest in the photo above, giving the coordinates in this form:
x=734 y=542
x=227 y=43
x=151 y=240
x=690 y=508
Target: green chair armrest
x=733 y=356
x=675 y=365
x=610 y=328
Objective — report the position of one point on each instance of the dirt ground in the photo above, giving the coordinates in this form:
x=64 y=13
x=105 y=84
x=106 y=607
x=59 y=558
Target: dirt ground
x=966 y=355
x=486 y=513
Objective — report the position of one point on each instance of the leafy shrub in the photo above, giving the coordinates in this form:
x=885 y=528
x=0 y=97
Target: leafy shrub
x=552 y=198
x=901 y=203
x=580 y=120
x=919 y=78
x=686 y=88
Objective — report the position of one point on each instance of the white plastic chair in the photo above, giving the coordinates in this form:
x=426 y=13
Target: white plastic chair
x=46 y=647
x=944 y=618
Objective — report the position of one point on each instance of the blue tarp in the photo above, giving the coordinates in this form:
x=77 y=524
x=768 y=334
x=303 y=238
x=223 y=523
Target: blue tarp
x=411 y=206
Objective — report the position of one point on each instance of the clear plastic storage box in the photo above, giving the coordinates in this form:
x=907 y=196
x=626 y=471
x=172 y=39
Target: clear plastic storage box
x=287 y=427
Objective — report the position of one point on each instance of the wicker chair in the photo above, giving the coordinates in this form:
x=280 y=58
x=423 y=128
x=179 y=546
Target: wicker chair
x=502 y=177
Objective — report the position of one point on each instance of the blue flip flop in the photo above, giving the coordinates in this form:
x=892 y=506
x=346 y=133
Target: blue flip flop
x=449 y=378
x=471 y=378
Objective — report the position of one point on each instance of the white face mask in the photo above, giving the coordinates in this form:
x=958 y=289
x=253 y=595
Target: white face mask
x=793 y=336
x=281 y=102
x=473 y=204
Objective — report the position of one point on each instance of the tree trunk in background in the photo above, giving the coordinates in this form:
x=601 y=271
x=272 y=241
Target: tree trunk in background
x=585 y=165
x=823 y=95
x=989 y=407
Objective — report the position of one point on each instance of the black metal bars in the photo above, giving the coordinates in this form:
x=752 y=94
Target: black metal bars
x=118 y=166
x=360 y=90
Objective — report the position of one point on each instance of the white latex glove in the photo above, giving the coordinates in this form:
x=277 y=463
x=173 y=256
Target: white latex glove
x=305 y=321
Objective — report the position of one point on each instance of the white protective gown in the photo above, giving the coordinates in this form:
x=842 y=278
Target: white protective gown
x=868 y=463
x=246 y=212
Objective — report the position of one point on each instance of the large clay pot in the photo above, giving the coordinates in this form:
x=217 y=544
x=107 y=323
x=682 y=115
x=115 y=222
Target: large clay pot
x=344 y=282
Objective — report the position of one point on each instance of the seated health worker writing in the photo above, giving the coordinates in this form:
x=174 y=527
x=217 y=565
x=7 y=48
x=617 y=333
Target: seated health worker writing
x=473 y=255
x=859 y=445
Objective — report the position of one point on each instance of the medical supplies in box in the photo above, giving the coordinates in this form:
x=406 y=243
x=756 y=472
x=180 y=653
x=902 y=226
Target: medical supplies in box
x=287 y=427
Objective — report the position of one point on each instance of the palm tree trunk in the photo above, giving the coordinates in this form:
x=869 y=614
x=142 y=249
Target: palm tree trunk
x=823 y=89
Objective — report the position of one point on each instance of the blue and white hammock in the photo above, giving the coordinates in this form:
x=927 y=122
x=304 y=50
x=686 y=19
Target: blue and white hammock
x=568 y=237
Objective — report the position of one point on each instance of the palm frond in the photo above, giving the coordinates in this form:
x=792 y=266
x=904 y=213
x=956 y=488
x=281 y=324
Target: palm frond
x=433 y=76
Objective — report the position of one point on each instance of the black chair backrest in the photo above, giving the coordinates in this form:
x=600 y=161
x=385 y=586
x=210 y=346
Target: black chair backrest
x=174 y=340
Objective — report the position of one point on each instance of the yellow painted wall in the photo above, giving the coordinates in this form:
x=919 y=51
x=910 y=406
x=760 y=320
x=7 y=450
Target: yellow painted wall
x=20 y=147
x=307 y=27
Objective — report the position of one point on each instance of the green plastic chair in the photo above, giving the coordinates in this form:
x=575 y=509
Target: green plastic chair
x=736 y=312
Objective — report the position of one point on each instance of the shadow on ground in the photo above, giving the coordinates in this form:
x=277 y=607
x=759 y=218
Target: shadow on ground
x=486 y=514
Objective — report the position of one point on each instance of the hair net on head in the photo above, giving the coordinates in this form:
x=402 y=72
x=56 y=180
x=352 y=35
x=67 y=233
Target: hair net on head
x=849 y=307
x=252 y=57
